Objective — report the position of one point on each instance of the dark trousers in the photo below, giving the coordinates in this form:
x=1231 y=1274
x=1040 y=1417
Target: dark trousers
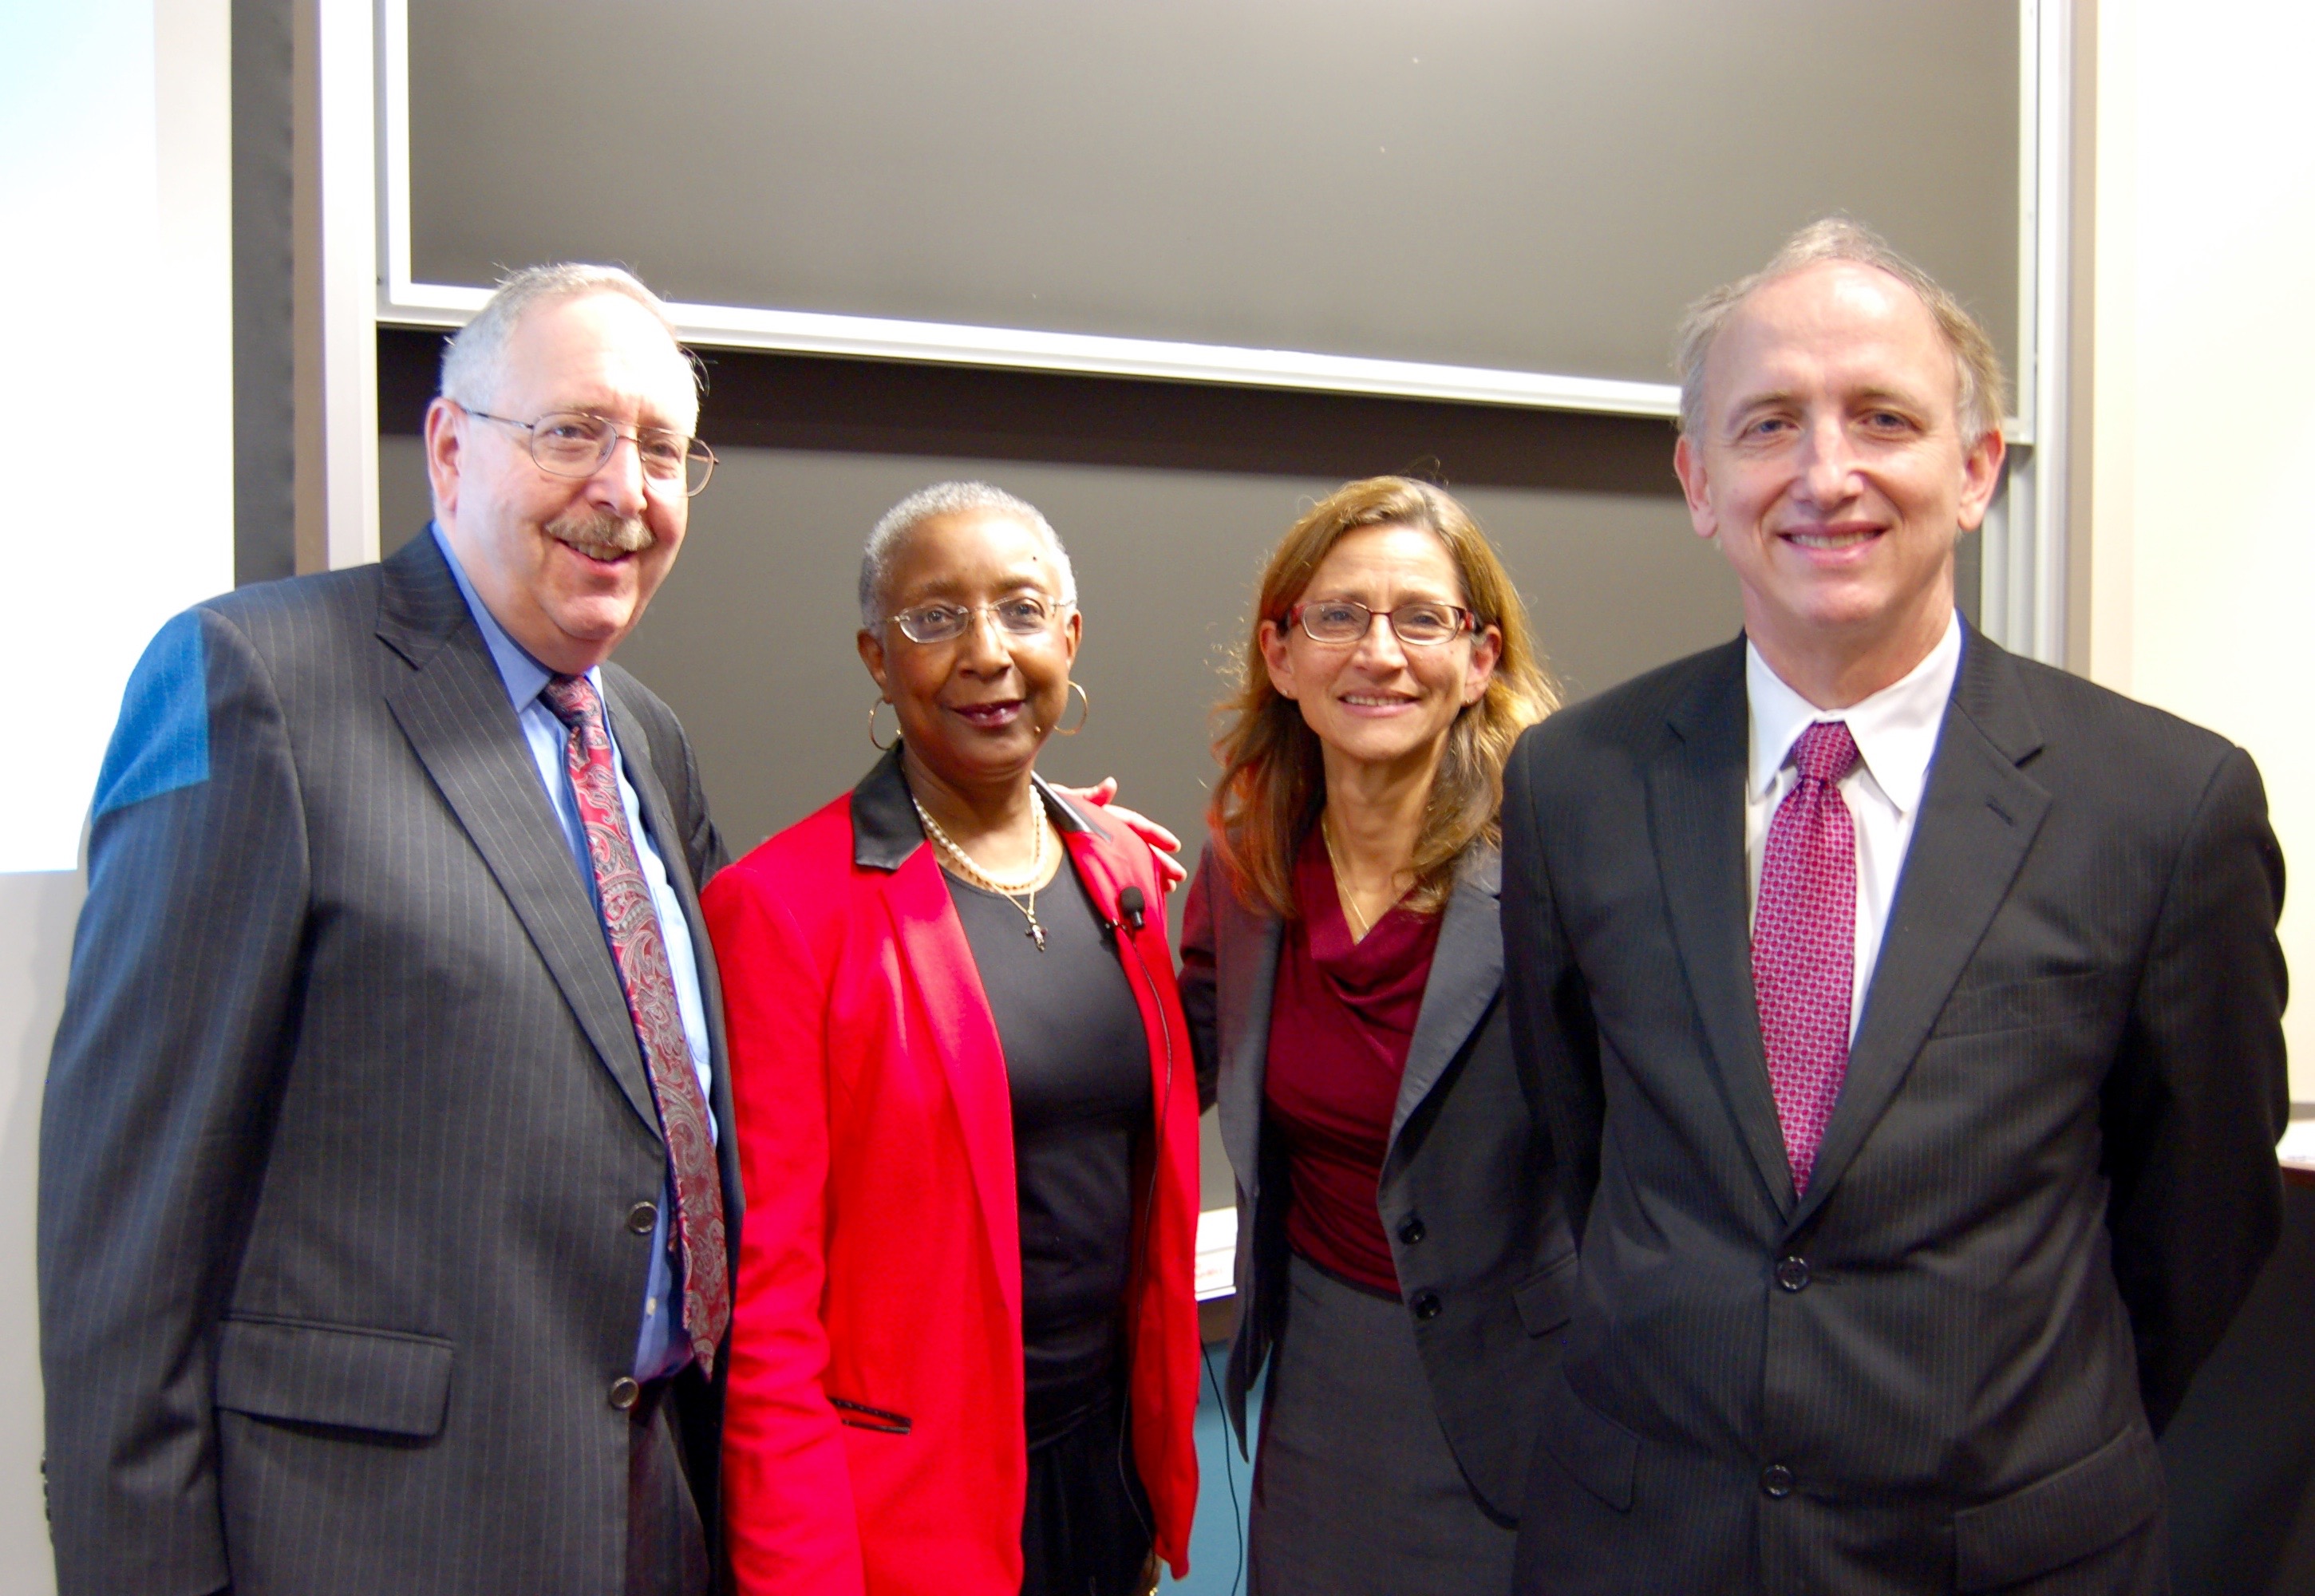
x=1085 y=1526
x=666 y=1538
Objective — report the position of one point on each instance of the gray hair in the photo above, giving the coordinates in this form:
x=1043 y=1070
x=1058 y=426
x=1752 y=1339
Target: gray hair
x=930 y=504
x=475 y=360
x=1982 y=400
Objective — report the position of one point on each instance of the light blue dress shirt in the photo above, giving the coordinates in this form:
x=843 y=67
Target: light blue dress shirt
x=660 y=1348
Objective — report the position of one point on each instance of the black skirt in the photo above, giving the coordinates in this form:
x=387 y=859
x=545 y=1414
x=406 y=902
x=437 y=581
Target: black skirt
x=1086 y=1527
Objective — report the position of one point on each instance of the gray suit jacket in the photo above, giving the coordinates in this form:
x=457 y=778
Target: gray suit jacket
x=346 y=1121
x=1467 y=1198
x=2048 y=1184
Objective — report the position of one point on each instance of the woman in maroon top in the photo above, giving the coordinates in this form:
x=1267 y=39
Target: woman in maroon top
x=1401 y=1261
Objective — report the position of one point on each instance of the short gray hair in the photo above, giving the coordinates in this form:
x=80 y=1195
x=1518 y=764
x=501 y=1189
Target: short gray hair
x=1982 y=398
x=475 y=360
x=930 y=504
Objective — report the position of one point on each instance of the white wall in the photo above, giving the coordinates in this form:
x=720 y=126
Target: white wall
x=116 y=201
x=2203 y=534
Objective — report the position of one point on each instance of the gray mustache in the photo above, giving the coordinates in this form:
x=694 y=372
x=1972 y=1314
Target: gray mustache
x=599 y=533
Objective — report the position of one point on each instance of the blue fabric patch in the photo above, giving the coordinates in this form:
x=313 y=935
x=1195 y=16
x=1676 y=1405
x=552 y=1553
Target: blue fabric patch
x=162 y=741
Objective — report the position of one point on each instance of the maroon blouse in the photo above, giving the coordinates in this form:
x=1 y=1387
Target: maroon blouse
x=1340 y=1023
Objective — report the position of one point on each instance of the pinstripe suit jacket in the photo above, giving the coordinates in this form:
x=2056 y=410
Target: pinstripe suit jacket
x=346 y=1119
x=2047 y=1186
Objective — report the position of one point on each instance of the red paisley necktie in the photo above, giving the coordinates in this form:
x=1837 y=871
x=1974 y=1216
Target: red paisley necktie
x=632 y=925
x=1805 y=942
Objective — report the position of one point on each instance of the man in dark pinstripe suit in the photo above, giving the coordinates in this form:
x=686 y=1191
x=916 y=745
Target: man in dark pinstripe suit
x=1906 y=1016
x=363 y=1267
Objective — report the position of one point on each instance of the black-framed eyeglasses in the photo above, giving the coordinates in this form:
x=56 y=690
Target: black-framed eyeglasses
x=1027 y=614
x=1423 y=624
x=573 y=443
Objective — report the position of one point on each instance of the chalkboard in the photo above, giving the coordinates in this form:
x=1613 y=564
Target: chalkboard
x=1529 y=186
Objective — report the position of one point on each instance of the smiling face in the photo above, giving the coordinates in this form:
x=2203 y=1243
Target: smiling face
x=973 y=710
x=1832 y=469
x=566 y=565
x=1379 y=703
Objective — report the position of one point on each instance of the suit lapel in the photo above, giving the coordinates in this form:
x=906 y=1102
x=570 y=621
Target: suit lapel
x=1466 y=971
x=936 y=961
x=1979 y=816
x=1696 y=810
x=939 y=961
x=1245 y=976
x=453 y=708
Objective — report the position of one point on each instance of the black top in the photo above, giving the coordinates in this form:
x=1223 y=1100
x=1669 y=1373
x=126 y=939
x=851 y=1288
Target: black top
x=1079 y=1061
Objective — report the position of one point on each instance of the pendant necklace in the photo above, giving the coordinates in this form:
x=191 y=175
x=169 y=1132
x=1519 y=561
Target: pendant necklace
x=1360 y=923
x=1020 y=894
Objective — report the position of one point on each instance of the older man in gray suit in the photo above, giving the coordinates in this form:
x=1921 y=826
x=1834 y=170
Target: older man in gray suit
x=1906 y=1016
x=388 y=1201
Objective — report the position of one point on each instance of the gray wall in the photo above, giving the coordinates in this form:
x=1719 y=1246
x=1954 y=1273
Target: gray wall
x=36 y=927
x=1534 y=184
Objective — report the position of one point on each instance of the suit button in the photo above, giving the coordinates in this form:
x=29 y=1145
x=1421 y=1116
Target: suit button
x=624 y=1393
x=1411 y=1230
x=1426 y=1304
x=1776 y=1480
x=1792 y=1274
x=641 y=1216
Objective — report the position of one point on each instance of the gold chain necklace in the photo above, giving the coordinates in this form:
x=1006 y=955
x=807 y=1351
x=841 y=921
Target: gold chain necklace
x=1360 y=923
x=1013 y=892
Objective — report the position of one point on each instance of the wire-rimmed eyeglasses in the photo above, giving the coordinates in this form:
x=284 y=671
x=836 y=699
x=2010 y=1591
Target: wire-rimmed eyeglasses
x=573 y=443
x=1027 y=614
x=1425 y=623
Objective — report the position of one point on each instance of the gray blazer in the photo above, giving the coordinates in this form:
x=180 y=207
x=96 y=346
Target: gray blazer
x=346 y=1124
x=1467 y=1197
x=2048 y=1183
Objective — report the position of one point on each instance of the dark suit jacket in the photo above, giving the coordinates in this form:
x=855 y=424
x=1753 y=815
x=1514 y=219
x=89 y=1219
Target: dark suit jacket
x=2048 y=1184
x=346 y=1121
x=1483 y=1256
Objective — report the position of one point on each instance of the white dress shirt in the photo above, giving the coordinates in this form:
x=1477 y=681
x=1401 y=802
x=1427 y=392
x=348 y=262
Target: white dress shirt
x=1897 y=732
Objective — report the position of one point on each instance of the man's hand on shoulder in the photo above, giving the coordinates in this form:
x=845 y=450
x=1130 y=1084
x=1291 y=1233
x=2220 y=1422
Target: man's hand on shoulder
x=1165 y=847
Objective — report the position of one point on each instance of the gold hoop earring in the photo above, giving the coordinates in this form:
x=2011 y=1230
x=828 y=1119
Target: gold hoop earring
x=882 y=748
x=1085 y=714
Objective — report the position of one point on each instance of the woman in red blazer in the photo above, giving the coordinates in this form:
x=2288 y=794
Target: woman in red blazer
x=964 y=1338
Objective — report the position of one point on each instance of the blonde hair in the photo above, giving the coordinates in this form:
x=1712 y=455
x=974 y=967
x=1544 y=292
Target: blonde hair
x=1982 y=400
x=1273 y=780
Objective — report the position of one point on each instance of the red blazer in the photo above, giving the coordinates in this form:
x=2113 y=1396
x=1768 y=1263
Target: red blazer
x=872 y=1441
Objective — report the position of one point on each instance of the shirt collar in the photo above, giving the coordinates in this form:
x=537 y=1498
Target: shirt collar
x=1895 y=729
x=521 y=675
x=885 y=830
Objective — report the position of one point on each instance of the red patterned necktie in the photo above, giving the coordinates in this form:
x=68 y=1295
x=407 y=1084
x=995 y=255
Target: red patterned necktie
x=1805 y=942
x=631 y=925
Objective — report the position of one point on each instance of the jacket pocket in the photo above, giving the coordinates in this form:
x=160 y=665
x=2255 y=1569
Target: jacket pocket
x=355 y=1378
x=2085 y=1507
x=861 y=1417
x=1547 y=1300
x=1599 y=1453
x=2024 y=1005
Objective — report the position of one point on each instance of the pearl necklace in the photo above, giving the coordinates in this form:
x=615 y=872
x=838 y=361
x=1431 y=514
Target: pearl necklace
x=1013 y=892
